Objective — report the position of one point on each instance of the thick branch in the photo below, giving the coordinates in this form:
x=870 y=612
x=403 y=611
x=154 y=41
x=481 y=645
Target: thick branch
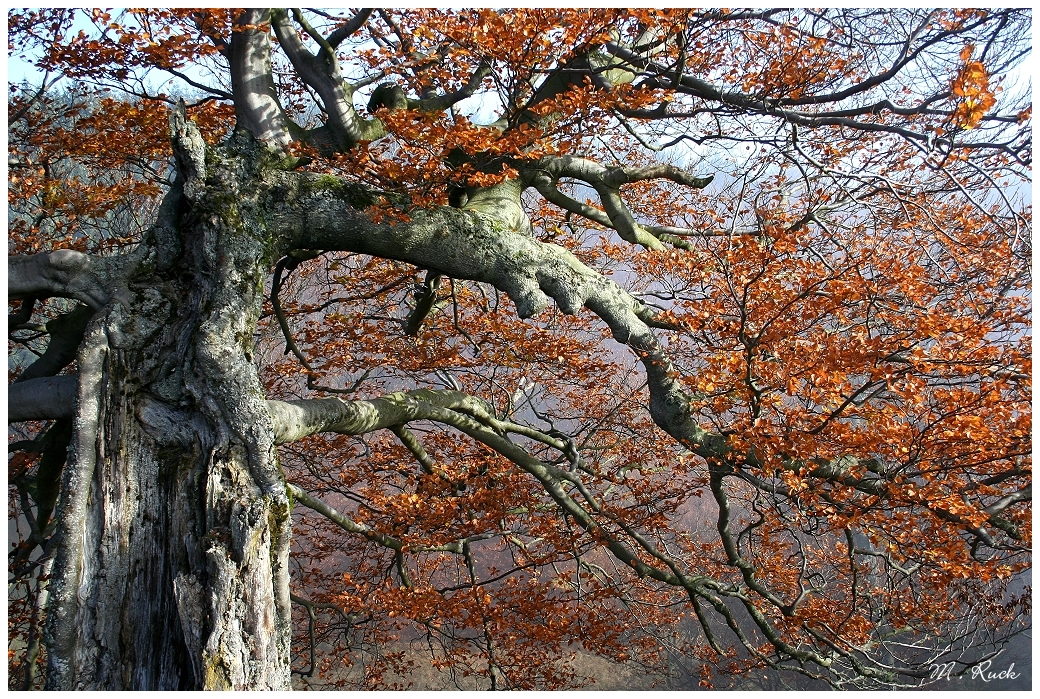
x=348 y=29
x=294 y=420
x=189 y=151
x=66 y=332
x=482 y=247
x=257 y=108
x=48 y=398
x=440 y=103
x=322 y=73
x=1024 y=495
x=607 y=182
x=64 y=618
x=64 y=273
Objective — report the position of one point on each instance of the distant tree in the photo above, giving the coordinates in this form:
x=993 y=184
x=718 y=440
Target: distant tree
x=508 y=334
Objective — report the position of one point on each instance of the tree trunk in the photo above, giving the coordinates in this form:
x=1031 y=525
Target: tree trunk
x=172 y=566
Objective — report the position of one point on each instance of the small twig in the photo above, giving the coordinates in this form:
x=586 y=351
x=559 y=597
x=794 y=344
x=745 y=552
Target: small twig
x=455 y=314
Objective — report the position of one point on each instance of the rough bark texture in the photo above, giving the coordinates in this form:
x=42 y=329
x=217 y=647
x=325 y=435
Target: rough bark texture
x=172 y=568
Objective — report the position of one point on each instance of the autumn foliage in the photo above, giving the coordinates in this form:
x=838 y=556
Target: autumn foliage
x=846 y=305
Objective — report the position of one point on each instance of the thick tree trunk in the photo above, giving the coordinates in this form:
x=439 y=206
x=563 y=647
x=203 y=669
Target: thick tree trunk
x=171 y=571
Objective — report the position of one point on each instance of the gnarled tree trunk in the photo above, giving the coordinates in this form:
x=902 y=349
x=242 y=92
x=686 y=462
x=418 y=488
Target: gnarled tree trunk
x=172 y=565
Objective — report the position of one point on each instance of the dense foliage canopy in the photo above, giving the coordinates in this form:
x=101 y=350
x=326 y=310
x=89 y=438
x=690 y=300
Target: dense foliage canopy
x=695 y=340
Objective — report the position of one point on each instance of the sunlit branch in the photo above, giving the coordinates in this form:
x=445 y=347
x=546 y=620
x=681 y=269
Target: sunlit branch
x=215 y=93
x=1024 y=495
x=607 y=182
x=322 y=73
x=257 y=107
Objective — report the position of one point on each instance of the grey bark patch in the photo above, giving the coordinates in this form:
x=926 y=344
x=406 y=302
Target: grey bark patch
x=191 y=607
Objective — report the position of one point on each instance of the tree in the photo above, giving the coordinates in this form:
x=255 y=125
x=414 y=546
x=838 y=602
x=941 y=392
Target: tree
x=515 y=333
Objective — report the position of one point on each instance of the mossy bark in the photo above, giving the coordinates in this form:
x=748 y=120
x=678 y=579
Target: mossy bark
x=172 y=567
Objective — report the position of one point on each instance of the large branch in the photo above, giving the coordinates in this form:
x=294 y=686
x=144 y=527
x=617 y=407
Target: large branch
x=257 y=108
x=472 y=417
x=321 y=72
x=344 y=127
x=66 y=333
x=480 y=246
x=294 y=420
x=48 y=398
x=607 y=182
x=485 y=247
x=64 y=273
x=582 y=506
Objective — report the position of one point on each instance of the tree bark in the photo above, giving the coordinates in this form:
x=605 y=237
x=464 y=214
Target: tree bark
x=171 y=569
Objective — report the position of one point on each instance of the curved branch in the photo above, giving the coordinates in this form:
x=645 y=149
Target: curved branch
x=23 y=315
x=330 y=513
x=607 y=182
x=473 y=418
x=66 y=332
x=350 y=28
x=440 y=103
x=859 y=117
x=1024 y=495
x=479 y=246
x=282 y=270
x=322 y=73
x=294 y=420
x=529 y=271
x=64 y=273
